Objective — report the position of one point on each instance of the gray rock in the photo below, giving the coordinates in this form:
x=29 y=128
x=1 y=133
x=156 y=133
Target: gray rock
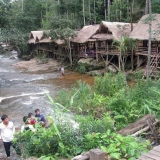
x=12 y=57
x=81 y=157
x=96 y=72
x=112 y=69
x=91 y=62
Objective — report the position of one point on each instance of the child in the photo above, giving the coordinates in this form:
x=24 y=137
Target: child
x=31 y=118
x=27 y=125
x=62 y=71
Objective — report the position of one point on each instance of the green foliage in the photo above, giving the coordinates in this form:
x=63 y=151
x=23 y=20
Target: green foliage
x=89 y=124
x=42 y=58
x=15 y=37
x=48 y=157
x=109 y=84
x=119 y=6
x=71 y=135
x=139 y=74
x=26 y=16
x=5 y=6
x=155 y=6
x=81 y=69
x=108 y=95
x=118 y=146
x=124 y=45
x=42 y=142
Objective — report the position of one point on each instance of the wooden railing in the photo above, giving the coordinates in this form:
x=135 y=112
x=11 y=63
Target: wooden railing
x=144 y=50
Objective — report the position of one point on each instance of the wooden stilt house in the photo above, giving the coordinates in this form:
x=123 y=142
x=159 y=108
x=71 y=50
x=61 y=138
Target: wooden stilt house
x=82 y=44
x=40 y=42
x=96 y=41
x=141 y=34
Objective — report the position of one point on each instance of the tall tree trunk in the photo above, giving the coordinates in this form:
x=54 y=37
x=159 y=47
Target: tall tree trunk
x=105 y=10
x=22 y=6
x=95 y=11
x=147 y=7
x=70 y=52
x=149 y=40
x=117 y=19
x=84 y=20
x=120 y=12
x=131 y=15
x=132 y=5
x=89 y=5
x=109 y=10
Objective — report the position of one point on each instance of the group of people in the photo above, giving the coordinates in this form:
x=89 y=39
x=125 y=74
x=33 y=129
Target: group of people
x=7 y=128
x=31 y=120
x=88 y=52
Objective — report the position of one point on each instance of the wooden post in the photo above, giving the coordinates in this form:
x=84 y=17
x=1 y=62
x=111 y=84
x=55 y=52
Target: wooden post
x=137 y=61
x=119 y=62
x=96 y=44
x=132 y=60
x=97 y=154
x=107 y=56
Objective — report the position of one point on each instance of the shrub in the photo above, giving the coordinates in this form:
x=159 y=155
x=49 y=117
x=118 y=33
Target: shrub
x=81 y=68
x=109 y=84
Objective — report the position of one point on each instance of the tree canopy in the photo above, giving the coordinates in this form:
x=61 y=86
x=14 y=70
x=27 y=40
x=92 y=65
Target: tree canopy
x=58 y=15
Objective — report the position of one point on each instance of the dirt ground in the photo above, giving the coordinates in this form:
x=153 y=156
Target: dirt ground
x=34 y=66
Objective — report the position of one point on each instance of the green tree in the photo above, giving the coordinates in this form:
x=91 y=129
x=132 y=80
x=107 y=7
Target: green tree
x=28 y=17
x=155 y=6
x=5 y=6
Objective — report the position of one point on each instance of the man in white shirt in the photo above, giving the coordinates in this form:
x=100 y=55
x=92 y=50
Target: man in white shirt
x=7 y=131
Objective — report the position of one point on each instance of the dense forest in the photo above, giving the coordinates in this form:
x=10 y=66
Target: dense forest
x=19 y=17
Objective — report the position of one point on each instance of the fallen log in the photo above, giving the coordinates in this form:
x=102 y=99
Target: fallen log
x=137 y=126
x=144 y=129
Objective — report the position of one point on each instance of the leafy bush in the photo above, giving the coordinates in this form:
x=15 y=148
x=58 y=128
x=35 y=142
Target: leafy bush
x=139 y=74
x=43 y=142
x=108 y=95
x=81 y=69
x=109 y=84
x=118 y=146
x=42 y=58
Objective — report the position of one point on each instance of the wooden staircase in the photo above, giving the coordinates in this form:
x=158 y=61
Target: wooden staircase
x=154 y=66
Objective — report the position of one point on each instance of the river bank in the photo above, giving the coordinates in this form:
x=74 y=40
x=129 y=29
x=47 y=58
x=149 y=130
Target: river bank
x=33 y=66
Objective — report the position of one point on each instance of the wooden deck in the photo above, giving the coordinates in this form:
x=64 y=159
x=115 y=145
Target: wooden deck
x=154 y=154
x=153 y=54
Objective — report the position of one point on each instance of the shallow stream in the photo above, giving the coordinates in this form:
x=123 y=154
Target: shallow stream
x=22 y=92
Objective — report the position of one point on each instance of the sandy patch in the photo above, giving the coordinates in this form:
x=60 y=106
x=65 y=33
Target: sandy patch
x=34 y=66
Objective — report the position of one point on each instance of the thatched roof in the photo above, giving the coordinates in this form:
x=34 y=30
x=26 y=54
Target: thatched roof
x=141 y=31
x=36 y=35
x=59 y=41
x=102 y=36
x=115 y=29
x=85 y=33
x=30 y=41
x=104 y=31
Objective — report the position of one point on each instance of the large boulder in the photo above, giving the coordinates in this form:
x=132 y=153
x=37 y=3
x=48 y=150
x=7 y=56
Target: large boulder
x=91 y=62
x=97 y=72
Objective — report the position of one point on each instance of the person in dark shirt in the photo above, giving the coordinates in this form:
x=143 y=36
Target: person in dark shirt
x=40 y=117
